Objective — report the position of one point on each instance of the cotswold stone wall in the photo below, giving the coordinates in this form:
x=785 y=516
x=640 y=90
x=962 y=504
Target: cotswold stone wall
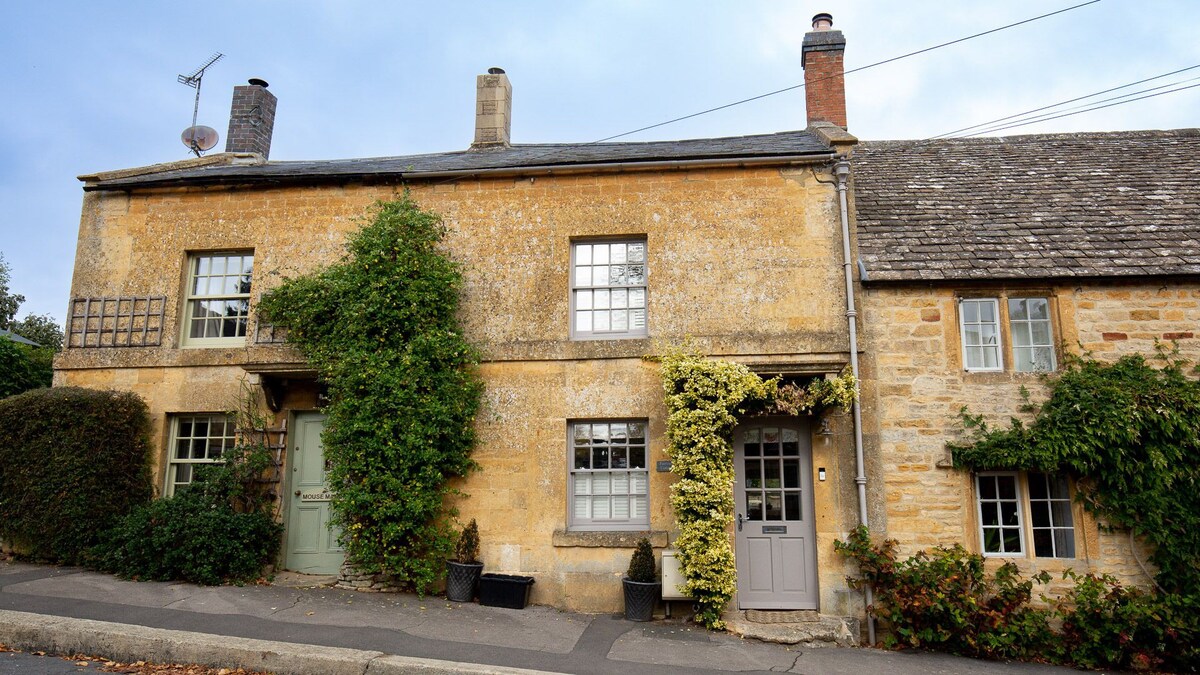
x=747 y=262
x=913 y=362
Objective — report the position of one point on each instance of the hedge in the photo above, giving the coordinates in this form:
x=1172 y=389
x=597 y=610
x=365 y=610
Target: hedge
x=72 y=461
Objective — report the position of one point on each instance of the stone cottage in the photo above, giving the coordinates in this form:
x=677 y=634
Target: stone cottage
x=579 y=259
x=983 y=262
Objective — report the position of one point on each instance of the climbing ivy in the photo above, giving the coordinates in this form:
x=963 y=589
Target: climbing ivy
x=381 y=328
x=1132 y=431
x=704 y=399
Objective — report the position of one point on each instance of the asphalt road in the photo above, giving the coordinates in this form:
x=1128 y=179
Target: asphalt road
x=28 y=664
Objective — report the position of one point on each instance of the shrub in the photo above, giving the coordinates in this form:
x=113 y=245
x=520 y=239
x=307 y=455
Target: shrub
x=641 y=563
x=23 y=367
x=72 y=462
x=945 y=600
x=217 y=529
x=1107 y=625
x=466 y=551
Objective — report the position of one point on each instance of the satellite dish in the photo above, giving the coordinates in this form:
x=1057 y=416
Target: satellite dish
x=199 y=137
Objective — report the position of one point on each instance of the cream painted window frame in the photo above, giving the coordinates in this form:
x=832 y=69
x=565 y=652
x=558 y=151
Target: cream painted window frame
x=226 y=441
x=962 y=334
x=190 y=298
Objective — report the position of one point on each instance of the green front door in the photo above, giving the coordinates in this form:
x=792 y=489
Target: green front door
x=312 y=545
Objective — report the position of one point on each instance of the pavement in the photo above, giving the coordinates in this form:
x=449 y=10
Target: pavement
x=298 y=626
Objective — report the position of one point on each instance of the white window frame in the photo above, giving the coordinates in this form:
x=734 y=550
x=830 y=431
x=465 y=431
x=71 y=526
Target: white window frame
x=593 y=290
x=631 y=523
x=1024 y=515
x=1054 y=526
x=1018 y=498
x=1028 y=324
x=191 y=298
x=962 y=333
x=194 y=445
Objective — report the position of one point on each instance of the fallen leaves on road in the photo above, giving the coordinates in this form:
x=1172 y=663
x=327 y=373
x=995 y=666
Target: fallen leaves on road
x=142 y=667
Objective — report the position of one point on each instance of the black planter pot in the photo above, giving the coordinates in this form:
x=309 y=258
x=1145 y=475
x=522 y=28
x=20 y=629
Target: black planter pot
x=461 y=580
x=640 y=599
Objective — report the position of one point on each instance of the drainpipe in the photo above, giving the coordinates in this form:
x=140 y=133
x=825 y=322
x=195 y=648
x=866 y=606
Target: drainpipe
x=842 y=171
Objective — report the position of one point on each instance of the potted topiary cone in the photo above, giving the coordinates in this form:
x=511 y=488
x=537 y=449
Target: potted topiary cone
x=462 y=572
x=641 y=583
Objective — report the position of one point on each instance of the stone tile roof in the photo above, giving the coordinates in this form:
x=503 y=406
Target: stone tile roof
x=1120 y=204
x=515 y=157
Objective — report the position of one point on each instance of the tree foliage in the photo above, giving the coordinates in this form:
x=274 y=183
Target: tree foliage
x=1132 y=431
x=40 y=328
x=9 y=302
x=381 y=328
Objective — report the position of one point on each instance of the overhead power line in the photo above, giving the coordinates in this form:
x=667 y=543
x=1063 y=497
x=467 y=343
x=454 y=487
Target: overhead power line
x=853 y=70
x=1070 y=100
x=1080 y=112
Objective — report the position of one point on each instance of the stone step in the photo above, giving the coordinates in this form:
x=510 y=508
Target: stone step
x=825 y=630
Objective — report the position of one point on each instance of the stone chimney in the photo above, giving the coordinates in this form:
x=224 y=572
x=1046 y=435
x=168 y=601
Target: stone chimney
x=493 y=110
x=824 y=74
x=251 y=119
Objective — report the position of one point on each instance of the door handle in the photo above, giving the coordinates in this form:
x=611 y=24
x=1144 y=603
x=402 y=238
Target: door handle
x=740 y=520
x=297 y=493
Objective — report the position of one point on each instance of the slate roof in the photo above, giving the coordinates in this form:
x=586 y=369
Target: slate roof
x=1119 y=204
x=17 y=338
x=515 y=157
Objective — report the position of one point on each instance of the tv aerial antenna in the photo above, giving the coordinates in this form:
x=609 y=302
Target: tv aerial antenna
x=199 y=138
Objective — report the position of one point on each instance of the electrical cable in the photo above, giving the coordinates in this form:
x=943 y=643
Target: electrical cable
x=1080 y=112
x=1061 y=103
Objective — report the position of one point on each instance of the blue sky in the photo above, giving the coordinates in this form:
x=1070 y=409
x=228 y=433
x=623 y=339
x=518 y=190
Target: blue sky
x=91 y=86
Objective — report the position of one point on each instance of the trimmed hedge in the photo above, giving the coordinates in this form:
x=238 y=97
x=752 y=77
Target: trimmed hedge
x=72 y=461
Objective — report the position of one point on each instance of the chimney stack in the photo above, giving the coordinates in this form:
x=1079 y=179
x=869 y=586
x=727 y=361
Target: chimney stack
x=251 y=119
x=493 y=110
x=824 y=74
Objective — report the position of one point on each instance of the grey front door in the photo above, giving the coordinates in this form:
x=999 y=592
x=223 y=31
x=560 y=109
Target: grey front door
x=312 y=545
x=775 y=529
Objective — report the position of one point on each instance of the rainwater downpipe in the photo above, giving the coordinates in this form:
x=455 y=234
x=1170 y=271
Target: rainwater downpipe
x=841 y=171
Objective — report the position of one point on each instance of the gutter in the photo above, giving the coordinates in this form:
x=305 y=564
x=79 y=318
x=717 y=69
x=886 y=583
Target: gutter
x=536 y=170
x=842 y=171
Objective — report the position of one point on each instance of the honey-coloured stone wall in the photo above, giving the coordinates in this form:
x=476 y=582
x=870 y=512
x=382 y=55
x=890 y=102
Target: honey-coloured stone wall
x=745 y=262
x=917 y=385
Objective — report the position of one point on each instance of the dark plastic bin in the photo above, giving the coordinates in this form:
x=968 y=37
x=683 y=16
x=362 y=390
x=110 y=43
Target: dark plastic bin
x=504 y=590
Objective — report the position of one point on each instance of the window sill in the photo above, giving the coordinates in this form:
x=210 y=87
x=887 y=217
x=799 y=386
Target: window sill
x=613 y=539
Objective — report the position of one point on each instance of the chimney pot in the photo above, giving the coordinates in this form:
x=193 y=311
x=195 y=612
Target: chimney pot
x=824 y=73
x=493 y=109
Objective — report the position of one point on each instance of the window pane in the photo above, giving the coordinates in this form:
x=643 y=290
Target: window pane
x=620 y=299
x=987 y=311
x=1040 y=513
x=1008 y=513
x=1043 y=543
x=791 y=473
x=637 y=253
x=600 y=275
x=991 y=357
x=990 y=513
x=771 y=477
x=970 y=311
x=1037 y=486
x=791 y=506
x=1007 y=486
x=635 y=274
x=600 y=299
x=1039 y=309
x=600 y=457
x=583 y=299
x=617 y=254
x=637 y=319
x=754 y=506
x=583 y=321
x=616 y=275
x=637 y=432
x=774 y=506
x=620 y=320
x=1040 y=332
x=583 y=254
x=601 y=320
x=987 y=487
x=1017 y=309
x=1064 y=543
x=619 y=458
x=581 y=458
x=1012 y=540
x=600 y=254
x=583 y=276
x=753 y=473
x=637 y=457
x=637 y=297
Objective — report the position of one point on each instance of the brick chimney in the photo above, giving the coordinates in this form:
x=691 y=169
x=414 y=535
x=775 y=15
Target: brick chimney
x=251 y=119
x=493 y=110
x=824 y=78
